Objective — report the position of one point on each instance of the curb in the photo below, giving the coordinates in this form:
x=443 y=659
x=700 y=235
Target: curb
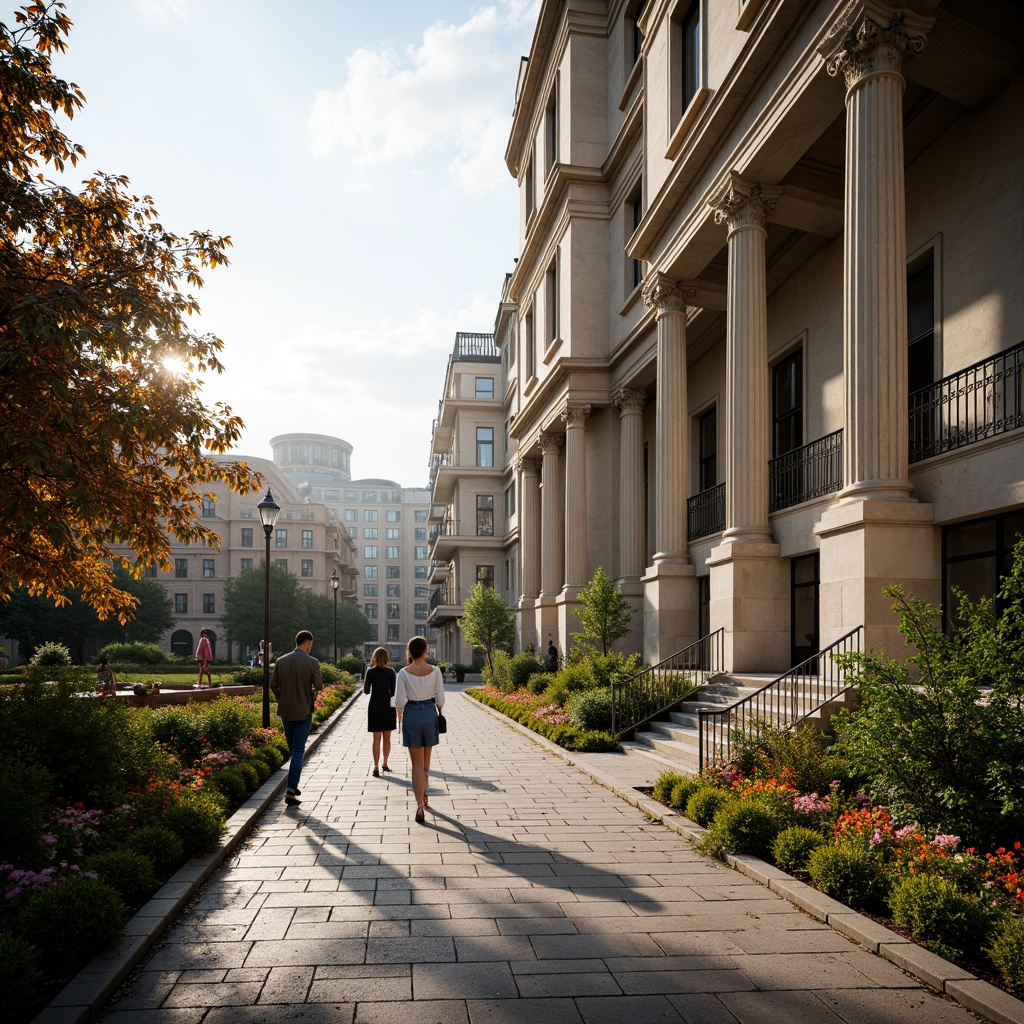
x=85 y=996
x=944 y=977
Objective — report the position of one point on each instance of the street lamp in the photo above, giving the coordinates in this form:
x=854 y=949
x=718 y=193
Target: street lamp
x=269 y=510
x=334 y=583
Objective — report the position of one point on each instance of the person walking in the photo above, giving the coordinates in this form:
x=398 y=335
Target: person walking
x=204 y=655
x=419 y=697
x=295 y=683
x=379 y=683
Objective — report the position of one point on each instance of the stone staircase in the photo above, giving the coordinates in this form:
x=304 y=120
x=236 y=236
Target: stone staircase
x=673 y=743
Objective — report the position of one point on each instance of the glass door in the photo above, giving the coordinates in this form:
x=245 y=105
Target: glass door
x=804 y=608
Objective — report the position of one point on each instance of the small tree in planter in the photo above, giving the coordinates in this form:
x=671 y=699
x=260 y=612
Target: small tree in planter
x=487 y=623
x=605 y=614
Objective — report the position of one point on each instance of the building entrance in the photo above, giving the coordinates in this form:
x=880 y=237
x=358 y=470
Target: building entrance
x=804 y=608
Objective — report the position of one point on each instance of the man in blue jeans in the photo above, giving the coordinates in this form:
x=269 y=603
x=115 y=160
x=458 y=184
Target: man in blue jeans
x=295 y=683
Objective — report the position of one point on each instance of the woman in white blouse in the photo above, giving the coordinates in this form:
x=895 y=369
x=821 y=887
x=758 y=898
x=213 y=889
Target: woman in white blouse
x=419 y=697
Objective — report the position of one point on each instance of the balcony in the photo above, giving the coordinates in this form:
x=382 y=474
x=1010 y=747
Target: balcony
x=971 y=405
x=811 y=471
x=705 y=513
x=445 y=604
x=450 y=467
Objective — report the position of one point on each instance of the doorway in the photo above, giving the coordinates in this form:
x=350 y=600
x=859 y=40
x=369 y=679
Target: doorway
x=804 y=608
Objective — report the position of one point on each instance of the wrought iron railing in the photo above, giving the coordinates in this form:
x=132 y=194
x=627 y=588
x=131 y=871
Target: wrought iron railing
x=811 y=471
x=476 y=347
x=705 y=512
x=782 y=703
x=978 y=402
x=648 y=694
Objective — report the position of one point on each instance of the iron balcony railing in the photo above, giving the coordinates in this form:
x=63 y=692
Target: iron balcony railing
x=781 y=704
x=811 y=471
x=705 y=513
x=648 y=694
x=476 y=346
x=971 y=405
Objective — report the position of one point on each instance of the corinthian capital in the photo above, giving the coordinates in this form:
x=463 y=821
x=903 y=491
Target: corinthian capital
x=664 y=295
x=870 y=36
x=527 y=466
x=575 y=415
x=629 y=400
x=743 y=204
x=550 y=443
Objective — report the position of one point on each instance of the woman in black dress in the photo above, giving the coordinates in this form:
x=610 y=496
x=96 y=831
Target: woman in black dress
x=379 y=683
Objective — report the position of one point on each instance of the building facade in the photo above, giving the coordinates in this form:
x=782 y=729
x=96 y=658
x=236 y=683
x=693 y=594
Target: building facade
x=767 y=301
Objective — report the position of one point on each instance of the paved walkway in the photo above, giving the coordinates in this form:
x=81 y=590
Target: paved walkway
x=532 y=894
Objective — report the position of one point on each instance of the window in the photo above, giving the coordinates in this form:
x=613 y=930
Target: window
x=485 y=446
x=392 y=631
x=369 y=533
x=369 y=551
x=394 y=611
x=421 y=591
x=484 y=387
x=391 y=551
x=352 y=531
x=420 y=572
x=351 y=515
x=370 y=515
x=529 y=347
x=529 y=186
x=150 y=573
x=788 y=404
x=373 y=634
x=708 y=431
x=921 y=354
x=421 y=611
x=421 y=515
x=484 y=515
x=246 y=565
x=181 y=568
x=394 y=590
x=635 y=214
x=551 y=302
x=394 y=515
x=307 y=538
x=421 y=533
x=307 y=567
x=551 y=130
x=209 y=604
x=209 y=568
x=369 y=590
x=281 y=538
x=281 y=563
x=976 y=555
x=370 y=610
x=421 y=552
x=330 y=495
x=689 y=26
x=391 y=533
x=369 y=572
x=394 y=572
x=510 y=500
x=485 y=575
x=246 y=536
x=209 y=508
x=181 y=604
x=636 y=37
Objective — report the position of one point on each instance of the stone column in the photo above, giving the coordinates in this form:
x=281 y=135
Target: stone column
x=743 y=207
x=631 y=483
x=868 y=47
x=552 y=555
x=875 y=533
x=575 y=418
x=529 y=526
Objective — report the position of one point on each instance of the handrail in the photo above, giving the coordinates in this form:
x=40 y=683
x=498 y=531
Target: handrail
x=811 y=471
x=642 y=697
x=780 y=704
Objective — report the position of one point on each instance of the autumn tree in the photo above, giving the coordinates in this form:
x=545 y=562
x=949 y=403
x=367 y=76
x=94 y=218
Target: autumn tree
x=106 y=442
x=488 y=624
x=605 y=614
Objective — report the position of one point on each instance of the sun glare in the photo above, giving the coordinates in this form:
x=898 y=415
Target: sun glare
x=175 y=365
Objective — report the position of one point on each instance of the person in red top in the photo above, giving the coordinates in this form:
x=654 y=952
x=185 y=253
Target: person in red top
x=204 y=655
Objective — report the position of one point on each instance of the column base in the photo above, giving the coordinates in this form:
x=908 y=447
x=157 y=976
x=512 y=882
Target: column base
x=750 y=601
x=545 y=624
x=867 y=545
x=876 y=490
x=670 y=608
x=526 y=625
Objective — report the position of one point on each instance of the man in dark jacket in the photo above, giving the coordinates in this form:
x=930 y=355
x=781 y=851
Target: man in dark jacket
x=295 y=683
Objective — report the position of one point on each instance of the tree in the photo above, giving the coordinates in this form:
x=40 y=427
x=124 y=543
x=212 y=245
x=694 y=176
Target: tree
x=605 y=614
x=353 y=627
x=487 y=624
x=242 y=620
x=105 y=444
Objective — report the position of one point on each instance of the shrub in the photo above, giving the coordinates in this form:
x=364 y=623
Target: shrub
x=848 y=873
x=128 y=873
x=351 y=663
x=801 y=755
x=262 y=769
x=591 y=709
x=576 y=677
x=248 y=772
x=521 y=667
x=939 y=915
x=1007 y=950
x=198 y=821
x=556 y=693
x=271 y=754
x=538 y=682
x=71 y=921
x=682 y=791
x=225 y=721
x=747 y=826
x=132 y=654
x=499 y=673
x=594 y=741
x=664 y=785
x=25 y=806
x=231 y=783
x=793 y=846
x=160 y=845
x=705 y=803
x=20 y=978
x=182 y=729
x=50 y=654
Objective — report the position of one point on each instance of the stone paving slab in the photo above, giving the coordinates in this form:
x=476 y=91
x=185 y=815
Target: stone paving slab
x=534 y=893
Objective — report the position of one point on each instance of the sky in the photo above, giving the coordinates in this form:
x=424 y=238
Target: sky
x=354 y=152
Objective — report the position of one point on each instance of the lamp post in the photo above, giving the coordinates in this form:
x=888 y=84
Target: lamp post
x=268 y=509
x=334 y=583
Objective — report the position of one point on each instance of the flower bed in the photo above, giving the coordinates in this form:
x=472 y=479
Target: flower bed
x=99 y=802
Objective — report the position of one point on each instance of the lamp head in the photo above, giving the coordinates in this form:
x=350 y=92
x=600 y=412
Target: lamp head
x=334 y=580
x=269 y=511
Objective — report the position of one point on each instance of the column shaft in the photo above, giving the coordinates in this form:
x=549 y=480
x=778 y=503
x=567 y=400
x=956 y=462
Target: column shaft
x=575 y=417
x=529 y=527
x=552 y=555
x=631 y=483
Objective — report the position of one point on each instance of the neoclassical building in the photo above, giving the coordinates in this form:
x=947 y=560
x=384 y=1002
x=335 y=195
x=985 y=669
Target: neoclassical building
x=767 y=348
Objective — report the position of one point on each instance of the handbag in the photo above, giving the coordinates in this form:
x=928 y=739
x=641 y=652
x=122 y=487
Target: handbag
x=442 y=723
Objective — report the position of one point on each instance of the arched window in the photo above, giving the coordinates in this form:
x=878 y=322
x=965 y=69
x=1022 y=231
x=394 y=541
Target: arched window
x=181 y=643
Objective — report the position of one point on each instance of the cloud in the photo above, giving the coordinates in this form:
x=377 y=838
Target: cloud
x=450 y=94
